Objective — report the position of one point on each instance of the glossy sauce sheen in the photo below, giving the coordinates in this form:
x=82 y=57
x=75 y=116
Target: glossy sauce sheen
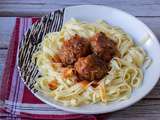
x=103 y=47
x=73 y=49
x=91 y=68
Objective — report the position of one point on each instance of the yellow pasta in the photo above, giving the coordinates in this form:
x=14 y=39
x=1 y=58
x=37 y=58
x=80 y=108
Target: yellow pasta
x=125 y=75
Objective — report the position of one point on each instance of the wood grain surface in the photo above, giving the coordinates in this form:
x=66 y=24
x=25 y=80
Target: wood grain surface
x=41 y=7
x=146 y=10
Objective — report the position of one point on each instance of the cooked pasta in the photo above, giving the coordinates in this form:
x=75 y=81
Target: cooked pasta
x=125 y=75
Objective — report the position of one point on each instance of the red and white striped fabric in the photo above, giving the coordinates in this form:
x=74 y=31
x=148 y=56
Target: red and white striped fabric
x=17 y=101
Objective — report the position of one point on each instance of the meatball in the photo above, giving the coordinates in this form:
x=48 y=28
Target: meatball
x=90 y=68
x=103 y=47
x=73 y=49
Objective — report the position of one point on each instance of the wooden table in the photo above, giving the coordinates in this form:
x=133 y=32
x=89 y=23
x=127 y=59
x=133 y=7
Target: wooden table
x=146 y=10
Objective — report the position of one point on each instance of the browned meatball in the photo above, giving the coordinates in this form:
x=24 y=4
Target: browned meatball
x=103 y=47
x=73 y=49
x=91 y=68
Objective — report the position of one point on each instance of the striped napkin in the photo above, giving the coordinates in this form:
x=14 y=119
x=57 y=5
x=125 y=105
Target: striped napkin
x=17 y=102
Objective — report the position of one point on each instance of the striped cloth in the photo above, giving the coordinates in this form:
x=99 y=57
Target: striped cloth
x=17 y=102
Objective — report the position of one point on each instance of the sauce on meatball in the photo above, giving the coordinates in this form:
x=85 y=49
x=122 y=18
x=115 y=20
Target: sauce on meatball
x=91 y=68
x=73 y=49
x=103 y=47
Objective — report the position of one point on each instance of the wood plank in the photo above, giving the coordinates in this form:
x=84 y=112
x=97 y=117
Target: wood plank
x=155 y=93
x=41 y=7
x=143 y=110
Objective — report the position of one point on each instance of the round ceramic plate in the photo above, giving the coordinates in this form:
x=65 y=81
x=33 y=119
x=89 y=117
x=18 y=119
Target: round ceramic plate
x=90 y=13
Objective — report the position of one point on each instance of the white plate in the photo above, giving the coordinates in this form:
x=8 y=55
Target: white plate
x=137 y=30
